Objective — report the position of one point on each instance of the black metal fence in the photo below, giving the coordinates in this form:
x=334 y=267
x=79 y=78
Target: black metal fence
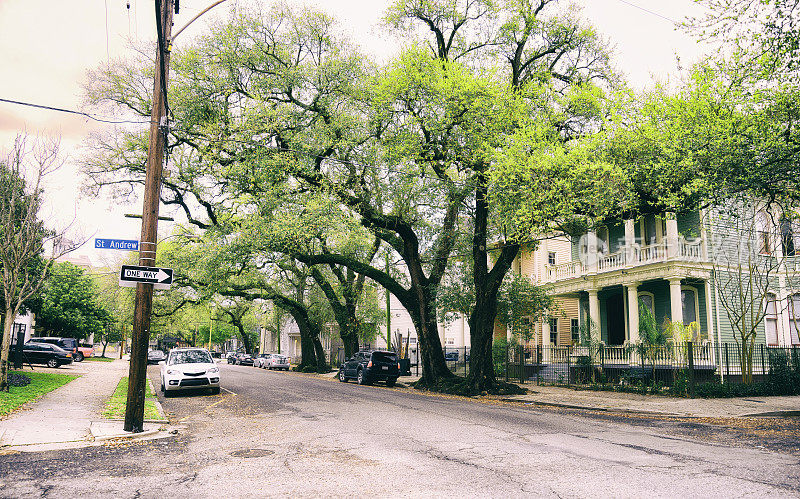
x=575 y=365
x=687 y=362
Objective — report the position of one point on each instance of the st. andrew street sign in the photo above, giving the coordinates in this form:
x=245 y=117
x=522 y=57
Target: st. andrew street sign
x=130 y=275
x=119 y=244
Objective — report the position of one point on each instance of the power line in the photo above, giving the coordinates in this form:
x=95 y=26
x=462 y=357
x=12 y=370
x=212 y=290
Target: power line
x=673 y=21
x=70 y=111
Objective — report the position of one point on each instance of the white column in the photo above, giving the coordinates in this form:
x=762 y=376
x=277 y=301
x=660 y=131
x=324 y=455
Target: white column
x=594 y=315
x=630 y=242
x=591 y=251
x=676 y=307
x=673 y=251
x=633 y=312
x=709 y=318
x=546 y=340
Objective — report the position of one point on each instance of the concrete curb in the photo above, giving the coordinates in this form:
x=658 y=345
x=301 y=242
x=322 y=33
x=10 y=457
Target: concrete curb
x=158 y=404
x=618 y=410
x=772 y=414
x=102 y=430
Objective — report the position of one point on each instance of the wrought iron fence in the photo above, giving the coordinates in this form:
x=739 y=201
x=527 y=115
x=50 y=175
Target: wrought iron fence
x=570 y=365
x=686 y=362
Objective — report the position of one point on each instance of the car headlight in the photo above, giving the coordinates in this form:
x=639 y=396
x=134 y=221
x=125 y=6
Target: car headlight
x=173 y=371
x=214 y=370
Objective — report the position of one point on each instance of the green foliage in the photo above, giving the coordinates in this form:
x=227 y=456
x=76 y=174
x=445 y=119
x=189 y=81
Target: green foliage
x=649 y=332
x=40 y=384
x=115 y=406
x=521 y=304
x=70 y=305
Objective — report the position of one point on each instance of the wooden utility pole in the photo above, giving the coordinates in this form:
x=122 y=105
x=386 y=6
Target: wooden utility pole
x=137 y=374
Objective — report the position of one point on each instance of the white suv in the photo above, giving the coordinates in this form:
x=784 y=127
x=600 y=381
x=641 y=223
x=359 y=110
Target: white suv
x=189 y=369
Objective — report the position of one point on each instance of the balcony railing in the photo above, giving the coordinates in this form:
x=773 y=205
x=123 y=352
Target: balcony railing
x=640 y=255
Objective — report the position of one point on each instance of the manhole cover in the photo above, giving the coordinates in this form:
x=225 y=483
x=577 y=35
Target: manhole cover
x=252 y=453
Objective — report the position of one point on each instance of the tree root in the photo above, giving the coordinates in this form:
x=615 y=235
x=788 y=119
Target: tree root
x=457 y=385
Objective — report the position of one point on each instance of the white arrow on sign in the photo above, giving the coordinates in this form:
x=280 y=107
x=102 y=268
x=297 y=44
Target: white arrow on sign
x=161 y=276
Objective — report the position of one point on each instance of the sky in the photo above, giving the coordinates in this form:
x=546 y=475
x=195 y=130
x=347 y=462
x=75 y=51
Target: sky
x=47 y=47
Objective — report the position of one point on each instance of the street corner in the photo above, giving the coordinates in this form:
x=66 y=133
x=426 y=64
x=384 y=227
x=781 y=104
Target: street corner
x=109 y=431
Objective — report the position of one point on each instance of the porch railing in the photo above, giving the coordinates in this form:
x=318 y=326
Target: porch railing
x=641 y=255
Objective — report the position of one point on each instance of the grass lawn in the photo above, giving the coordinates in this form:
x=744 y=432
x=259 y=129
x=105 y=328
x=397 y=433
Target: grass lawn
x=100 y=359
x=40 y=384
x=115 y=407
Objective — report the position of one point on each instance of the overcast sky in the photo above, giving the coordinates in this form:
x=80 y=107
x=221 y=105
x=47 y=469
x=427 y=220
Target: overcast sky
x=46 y=47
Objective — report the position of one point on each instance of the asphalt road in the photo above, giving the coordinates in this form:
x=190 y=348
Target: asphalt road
x=288 y=434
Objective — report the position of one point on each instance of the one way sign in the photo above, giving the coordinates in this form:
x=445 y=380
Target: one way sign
x=129 y=275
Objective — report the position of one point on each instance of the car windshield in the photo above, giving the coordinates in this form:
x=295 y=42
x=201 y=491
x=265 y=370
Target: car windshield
x=190 y=357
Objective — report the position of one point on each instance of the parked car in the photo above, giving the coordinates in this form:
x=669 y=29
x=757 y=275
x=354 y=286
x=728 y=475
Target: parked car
x=155 y=356
x=189 y=369
x=369 y=366
x=68 y=344
x=277 y=361
x=261 y=359
x=86 y=349
x=35 y=352
x=244 y=359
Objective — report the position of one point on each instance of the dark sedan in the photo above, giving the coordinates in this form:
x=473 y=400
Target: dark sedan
x=369 y=366
x=155 y=356
x=244 y=359
x=44 y=353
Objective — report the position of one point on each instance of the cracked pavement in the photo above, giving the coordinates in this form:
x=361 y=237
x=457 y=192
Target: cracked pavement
x=280 y=434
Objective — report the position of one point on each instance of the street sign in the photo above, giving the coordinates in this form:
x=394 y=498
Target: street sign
x=129 y=275
x=120 y=244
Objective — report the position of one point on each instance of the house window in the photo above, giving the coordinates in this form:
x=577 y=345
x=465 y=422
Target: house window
x=649 y=230
x=794 y=319
x=764 y=238
x=771 y=320
x=575 y=330
x=648 y=300
x=553 y=331
x=689 y=303
x=787 y=237
x=551 y=257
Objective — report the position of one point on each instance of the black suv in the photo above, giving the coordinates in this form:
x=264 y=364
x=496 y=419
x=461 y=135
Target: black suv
x=369 y=366
x=68 y=344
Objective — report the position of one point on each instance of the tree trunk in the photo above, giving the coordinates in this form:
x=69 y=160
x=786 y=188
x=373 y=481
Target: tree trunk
x=311 y=351
x=487 y=285
x=349 y=339
x=8 y=324
x=434 y=367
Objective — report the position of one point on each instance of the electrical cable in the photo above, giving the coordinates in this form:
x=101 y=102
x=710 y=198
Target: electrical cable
x=673 y=21
x=162 y=52
x=71 y=111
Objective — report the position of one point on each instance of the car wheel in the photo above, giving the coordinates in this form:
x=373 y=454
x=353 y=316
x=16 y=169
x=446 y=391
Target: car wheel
x=52 y=363
x=167 y=394
x=391 y=381
x=215 y=391
x=78 y=357
x=362 y=378
x=163 y=390
x=342 y=377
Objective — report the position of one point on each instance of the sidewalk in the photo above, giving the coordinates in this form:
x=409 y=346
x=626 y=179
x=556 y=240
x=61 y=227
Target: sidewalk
x=557 y=396
x=655 y=404
x=70 y=415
